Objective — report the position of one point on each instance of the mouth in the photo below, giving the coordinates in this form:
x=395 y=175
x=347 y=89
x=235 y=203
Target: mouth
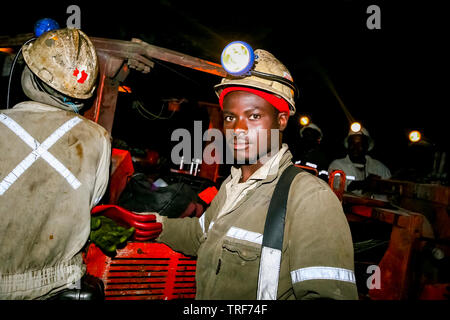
x=240 y=144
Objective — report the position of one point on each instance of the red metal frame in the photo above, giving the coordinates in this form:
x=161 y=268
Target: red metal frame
x=121 y=169
x=340 y=191
x=143 y=271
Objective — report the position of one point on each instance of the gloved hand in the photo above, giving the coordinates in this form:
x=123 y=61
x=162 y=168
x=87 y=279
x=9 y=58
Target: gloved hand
x=145 y=225
x=107 y=234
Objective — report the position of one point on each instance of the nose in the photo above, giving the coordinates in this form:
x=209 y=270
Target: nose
x=240 y=125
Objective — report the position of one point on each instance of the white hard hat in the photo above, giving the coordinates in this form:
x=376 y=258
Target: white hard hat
x=311 y=126
x=364 y=132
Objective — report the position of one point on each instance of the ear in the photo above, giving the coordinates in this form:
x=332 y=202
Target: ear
x=283 y=118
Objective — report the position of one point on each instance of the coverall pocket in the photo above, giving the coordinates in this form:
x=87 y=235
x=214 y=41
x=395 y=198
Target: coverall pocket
x=241 y=252
x=237 y=270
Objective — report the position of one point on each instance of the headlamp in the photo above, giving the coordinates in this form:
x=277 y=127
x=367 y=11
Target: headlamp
x=238 y=59
x=414 y=136
x=44 y=25
x=304 y=120
x=40 y=27
x=355 y=127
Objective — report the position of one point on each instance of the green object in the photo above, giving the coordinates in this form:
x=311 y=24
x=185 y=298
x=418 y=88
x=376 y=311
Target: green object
x=107 y=234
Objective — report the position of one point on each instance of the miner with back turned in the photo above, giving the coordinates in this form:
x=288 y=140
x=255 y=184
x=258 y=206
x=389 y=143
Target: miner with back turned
x=54 y=168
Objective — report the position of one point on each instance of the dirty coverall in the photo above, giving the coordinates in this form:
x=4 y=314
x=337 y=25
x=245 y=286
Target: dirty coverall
x=54 y=167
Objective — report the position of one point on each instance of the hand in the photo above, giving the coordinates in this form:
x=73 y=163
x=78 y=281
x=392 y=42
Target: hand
x=357 y=185
x=145 y=225
x=107 y=234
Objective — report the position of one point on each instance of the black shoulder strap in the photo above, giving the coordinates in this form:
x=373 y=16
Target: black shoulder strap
x=275 y=220
x=272 y=243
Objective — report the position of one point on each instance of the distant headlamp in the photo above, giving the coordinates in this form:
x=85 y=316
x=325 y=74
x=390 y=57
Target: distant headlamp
x=415 y=136
x=238 y=60
x=355 y=127
x=304 y=120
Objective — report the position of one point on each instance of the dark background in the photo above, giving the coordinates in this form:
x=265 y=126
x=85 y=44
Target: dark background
x=392 y=80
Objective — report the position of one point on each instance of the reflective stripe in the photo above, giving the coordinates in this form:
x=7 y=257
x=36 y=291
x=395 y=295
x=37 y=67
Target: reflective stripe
x=269 y=272
x=241 y=234
x=298 y=162
x=324 y=273
x=346 y=177
x=202 y=222
x=323 y=172
x=309 y=164
x=39 y=150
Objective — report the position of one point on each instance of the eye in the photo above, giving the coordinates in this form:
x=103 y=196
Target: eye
x=228 y=118
x=255 y=116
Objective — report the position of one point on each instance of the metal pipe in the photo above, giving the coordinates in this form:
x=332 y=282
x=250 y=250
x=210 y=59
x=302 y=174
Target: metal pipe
x=142 y=51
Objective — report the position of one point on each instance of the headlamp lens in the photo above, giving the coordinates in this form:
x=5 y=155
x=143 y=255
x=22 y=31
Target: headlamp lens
x=355 y=127
x=44 y=25
x=415 y=136
x=304 y=120
x=237 y=58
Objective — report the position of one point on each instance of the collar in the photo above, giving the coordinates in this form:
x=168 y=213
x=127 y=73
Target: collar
x=34 y=106
x=269 y=169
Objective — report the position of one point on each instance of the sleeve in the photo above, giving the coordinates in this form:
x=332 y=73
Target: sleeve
x=320 y=244
x=102 y=173
x=385 y=172
x=187 y=234
x=181 y=234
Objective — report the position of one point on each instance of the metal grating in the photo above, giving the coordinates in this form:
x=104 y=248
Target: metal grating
x=143 y=271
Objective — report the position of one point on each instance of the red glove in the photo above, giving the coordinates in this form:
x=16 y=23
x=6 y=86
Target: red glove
x=146 y=227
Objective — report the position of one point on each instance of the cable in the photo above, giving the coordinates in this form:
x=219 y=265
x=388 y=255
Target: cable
x=140 y=108
x=12 y=70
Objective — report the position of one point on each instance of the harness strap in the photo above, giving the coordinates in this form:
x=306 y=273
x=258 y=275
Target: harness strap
x=272 y=243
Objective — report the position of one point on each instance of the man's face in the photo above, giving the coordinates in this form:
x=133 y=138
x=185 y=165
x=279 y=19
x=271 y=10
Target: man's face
x=357 y=147
x=248 y=120
x=311 y=138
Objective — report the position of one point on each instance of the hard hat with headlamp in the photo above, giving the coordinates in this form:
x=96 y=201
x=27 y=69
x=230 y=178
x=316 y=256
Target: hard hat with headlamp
x=362 y=131
x=311 y=126
x=65 y=60
x=258 y=70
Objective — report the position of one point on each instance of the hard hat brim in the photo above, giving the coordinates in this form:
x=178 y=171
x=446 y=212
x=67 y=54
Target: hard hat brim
x=256 y=85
